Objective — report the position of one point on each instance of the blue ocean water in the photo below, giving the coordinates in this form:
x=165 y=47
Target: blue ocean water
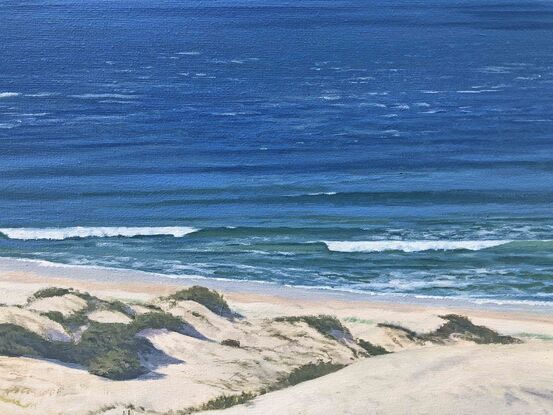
x=400 y=147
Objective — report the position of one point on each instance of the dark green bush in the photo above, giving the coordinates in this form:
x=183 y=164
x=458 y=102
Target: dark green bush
x=328 y=326
x=55 y=316
x=116 y=365
x=157 y=320
x=51 y=292
x=17 y=341
x=308 y=372
x=109 y=350
x=210 y=299
x=226 y=401
x=118 y=306
x=457 y=325
x=463 y=327
x=231 y=343
x=371 y=349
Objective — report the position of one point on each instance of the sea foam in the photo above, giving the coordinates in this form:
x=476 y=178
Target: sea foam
x=96 y=232
x=410 y=246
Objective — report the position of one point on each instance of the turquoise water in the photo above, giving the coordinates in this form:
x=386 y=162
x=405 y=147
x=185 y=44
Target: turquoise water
x=395 y=147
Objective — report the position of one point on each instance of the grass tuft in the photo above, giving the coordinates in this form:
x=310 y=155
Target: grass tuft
x=371 y=349
x=328 y=326
x=113 y=350
x=231 y=343
x=157 y=320
x=307 y=372
x=463 y=327
x=456 y=326
x=51 y=292
x=210 y=299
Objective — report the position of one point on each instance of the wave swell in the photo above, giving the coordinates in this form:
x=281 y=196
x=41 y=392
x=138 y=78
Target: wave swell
x=94 y=232
x=411 y=246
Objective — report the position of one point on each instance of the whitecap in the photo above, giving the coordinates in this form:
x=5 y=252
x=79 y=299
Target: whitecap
x=411 y=246
x=9 y=94
x=93 y=96
x=94 y=232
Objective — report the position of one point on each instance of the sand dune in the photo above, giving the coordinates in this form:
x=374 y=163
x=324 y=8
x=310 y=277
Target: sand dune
x=514 y=379
x=195 y=366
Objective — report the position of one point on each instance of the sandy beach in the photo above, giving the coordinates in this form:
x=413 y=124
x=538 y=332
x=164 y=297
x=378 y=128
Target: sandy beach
x=420 y=374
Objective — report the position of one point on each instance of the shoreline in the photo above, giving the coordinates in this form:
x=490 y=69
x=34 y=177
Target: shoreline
x=271 y=340
x=46 y=270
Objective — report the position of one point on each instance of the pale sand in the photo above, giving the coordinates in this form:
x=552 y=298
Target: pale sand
x=490 y=379
x=453 y=379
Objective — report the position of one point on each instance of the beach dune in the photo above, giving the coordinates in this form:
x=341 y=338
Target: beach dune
x=280 y=352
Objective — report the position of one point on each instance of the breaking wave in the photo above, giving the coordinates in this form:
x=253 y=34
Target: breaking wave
x=410 y=246
x=94 y=232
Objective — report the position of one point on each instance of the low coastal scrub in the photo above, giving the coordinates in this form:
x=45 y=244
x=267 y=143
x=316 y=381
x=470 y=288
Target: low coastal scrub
x=371 y=349
x=51 y=292
x=465 y=329
x=307 y=372
x=17 y=341
x=210 y=299
x=110 y=350
x=79 y=318
x=222 y=402
x=157 y=320
x=456 y=326
x=328 y=326
x=231 y=343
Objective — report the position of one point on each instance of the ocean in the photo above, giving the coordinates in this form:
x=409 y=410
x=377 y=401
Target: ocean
x=394 y=147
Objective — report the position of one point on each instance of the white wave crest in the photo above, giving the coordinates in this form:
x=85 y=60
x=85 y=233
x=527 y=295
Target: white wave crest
x=410 y=246
x=96 y=232
x=116 y=96
x=9 y=94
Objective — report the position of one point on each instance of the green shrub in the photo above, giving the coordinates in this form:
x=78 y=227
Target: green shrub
x=76 y=320
x=462 y=326
x=157 y=320
x=51 y=292
x=54 y=316
x=101 y=338
x=231 y=343
x=226 y=401
x=118 y=306
x=111 y=350
x=210 y=299
x=17 y=341
x=116 y=365
x=307 y=372
x=456 y=325
x=328 y=326
x=371 y=349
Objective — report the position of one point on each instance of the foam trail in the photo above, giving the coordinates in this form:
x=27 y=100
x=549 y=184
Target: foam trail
x=97 y=232
x=410 y=246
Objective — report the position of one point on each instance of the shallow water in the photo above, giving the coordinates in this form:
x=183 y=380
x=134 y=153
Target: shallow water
x=396 y=147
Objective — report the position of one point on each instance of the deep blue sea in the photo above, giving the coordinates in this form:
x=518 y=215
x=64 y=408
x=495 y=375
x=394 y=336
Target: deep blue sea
x=399 y=147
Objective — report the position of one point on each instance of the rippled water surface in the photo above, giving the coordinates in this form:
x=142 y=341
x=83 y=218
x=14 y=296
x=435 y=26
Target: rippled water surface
x=385 y=146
